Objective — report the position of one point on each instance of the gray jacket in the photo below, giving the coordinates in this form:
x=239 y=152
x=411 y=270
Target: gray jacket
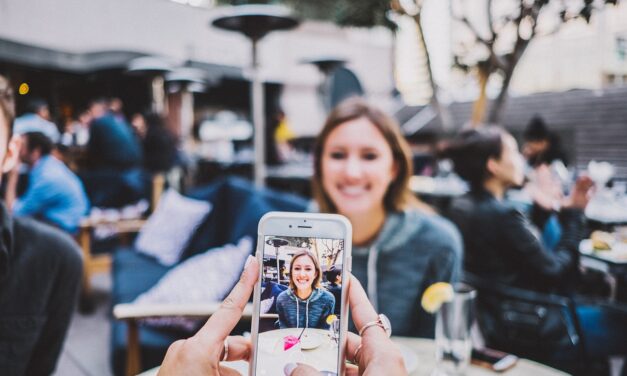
x=412 y=251
x=311 y=313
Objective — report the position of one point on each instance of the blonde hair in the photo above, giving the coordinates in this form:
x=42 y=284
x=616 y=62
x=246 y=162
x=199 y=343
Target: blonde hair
x=314 y=259
x=398 y=196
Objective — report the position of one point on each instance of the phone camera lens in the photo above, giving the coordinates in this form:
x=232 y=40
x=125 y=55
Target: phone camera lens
x=290 y=226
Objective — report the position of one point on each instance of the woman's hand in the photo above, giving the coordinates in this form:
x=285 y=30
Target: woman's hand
x=378 y=355
x=580 y=194
x=202 y=353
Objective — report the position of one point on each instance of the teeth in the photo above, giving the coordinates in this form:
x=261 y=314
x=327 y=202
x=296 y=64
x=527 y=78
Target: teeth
x=353 y=190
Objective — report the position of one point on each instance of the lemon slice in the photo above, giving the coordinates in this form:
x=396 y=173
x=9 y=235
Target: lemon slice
x=331 y=318
x=435 y=295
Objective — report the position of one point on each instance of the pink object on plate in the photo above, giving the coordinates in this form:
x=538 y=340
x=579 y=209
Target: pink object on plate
x=289 y=342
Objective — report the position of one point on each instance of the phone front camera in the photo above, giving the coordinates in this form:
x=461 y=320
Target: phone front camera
x=290 y=226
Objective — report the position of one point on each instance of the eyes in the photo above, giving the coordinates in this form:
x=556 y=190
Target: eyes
x=306 y=268
x=366 y=155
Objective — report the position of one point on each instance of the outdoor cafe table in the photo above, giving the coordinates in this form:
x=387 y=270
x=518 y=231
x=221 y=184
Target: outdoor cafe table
x=612 y=263
x=422 y=353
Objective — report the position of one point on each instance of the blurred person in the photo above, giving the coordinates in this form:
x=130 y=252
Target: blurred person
x=362 y=166
x=546 y=171
x=114 y=177
x=305 y=304
x=334 y=276
x=76 y=133
x=501 y=245
x=159 y=144
x=116 y=107
x=54 y=194
x=372 y=354
x=542 y=146
x=40 y=273
x=37 y=119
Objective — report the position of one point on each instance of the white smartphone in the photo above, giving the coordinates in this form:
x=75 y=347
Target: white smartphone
x=300 y=310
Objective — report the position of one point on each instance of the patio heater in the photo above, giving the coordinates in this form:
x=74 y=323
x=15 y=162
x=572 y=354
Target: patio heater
x=255 y=22
x=154 y=67
x=277 y=243
x=187 y=81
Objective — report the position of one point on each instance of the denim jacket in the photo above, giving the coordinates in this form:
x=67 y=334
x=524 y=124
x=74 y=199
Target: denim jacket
x=311 y=313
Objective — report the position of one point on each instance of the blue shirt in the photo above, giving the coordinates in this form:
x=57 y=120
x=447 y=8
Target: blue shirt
x=54 y=194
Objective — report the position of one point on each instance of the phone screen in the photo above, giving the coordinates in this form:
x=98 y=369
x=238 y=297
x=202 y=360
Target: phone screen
x=300 y=306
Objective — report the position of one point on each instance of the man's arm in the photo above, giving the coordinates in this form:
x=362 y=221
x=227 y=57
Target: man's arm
x=65 y=280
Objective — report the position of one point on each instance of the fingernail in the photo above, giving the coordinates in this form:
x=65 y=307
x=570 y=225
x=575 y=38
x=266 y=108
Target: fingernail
x=289 y=368
x=249 y=260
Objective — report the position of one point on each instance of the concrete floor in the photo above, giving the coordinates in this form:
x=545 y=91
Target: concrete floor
x=86 y=349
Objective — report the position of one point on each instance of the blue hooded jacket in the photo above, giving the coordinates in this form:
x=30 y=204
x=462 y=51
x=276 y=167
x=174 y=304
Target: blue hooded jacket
x=311 y=313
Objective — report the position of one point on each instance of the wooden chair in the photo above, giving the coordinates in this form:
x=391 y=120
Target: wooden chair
x=132 y=314
x=123 y=228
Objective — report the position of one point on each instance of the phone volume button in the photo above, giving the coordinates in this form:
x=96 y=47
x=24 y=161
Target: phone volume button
x=349 y=261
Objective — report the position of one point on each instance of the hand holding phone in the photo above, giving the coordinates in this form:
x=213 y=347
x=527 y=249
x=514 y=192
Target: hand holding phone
x=202 y=353
x=300 y=313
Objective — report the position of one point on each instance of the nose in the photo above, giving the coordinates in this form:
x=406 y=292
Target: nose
x=353 y=168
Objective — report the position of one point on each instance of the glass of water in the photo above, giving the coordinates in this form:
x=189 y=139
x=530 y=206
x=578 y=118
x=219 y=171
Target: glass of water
x=452 y=333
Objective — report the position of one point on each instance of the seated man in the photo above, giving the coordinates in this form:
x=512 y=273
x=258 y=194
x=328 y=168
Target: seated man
x=40 y=273
x=54 y=194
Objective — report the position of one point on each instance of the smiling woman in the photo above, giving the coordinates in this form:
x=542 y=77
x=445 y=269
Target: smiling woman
x=305 y=292
x=362 y=166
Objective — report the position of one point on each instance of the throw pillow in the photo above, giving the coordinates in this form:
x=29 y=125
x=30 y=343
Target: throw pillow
x=170 y=227
x=204 y=278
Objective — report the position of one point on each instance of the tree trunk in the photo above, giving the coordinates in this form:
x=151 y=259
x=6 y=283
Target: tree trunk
x=498 y=106
x=479 y=107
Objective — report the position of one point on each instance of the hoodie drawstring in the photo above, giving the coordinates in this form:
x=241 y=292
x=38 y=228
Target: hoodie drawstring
x=306 y=310
x=307 y=314
x=373 y=255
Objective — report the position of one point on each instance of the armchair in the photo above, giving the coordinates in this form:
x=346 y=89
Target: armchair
x=237 y=208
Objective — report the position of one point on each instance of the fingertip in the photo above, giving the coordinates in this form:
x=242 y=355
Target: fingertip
x=251 y=270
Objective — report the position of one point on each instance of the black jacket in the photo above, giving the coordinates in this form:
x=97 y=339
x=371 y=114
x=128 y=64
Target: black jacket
x=40 y=273
x=502 y=245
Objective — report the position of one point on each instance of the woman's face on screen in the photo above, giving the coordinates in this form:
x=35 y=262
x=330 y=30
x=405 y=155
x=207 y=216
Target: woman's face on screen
x=303 y=272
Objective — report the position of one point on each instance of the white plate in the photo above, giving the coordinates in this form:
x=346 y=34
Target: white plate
x=410 y=358
x=310 y=341
x=618 y=253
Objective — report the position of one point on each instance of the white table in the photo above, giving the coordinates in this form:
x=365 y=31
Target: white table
x=423 y=357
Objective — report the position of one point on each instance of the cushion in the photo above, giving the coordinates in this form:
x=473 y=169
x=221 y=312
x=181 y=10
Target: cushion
x=171 y=226
x=204 y=278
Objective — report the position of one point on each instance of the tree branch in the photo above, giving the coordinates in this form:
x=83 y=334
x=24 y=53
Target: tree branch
x=472 y=28
x=490 y=21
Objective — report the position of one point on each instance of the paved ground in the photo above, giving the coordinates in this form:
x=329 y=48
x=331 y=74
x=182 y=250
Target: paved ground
x=86 y=350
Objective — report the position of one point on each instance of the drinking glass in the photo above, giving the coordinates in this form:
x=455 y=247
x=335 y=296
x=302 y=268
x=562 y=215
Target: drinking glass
x=452 y=333
x=334 y=330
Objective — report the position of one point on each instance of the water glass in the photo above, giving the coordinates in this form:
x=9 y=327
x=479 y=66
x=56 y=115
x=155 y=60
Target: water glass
x=452 y=333
x=334 y=330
